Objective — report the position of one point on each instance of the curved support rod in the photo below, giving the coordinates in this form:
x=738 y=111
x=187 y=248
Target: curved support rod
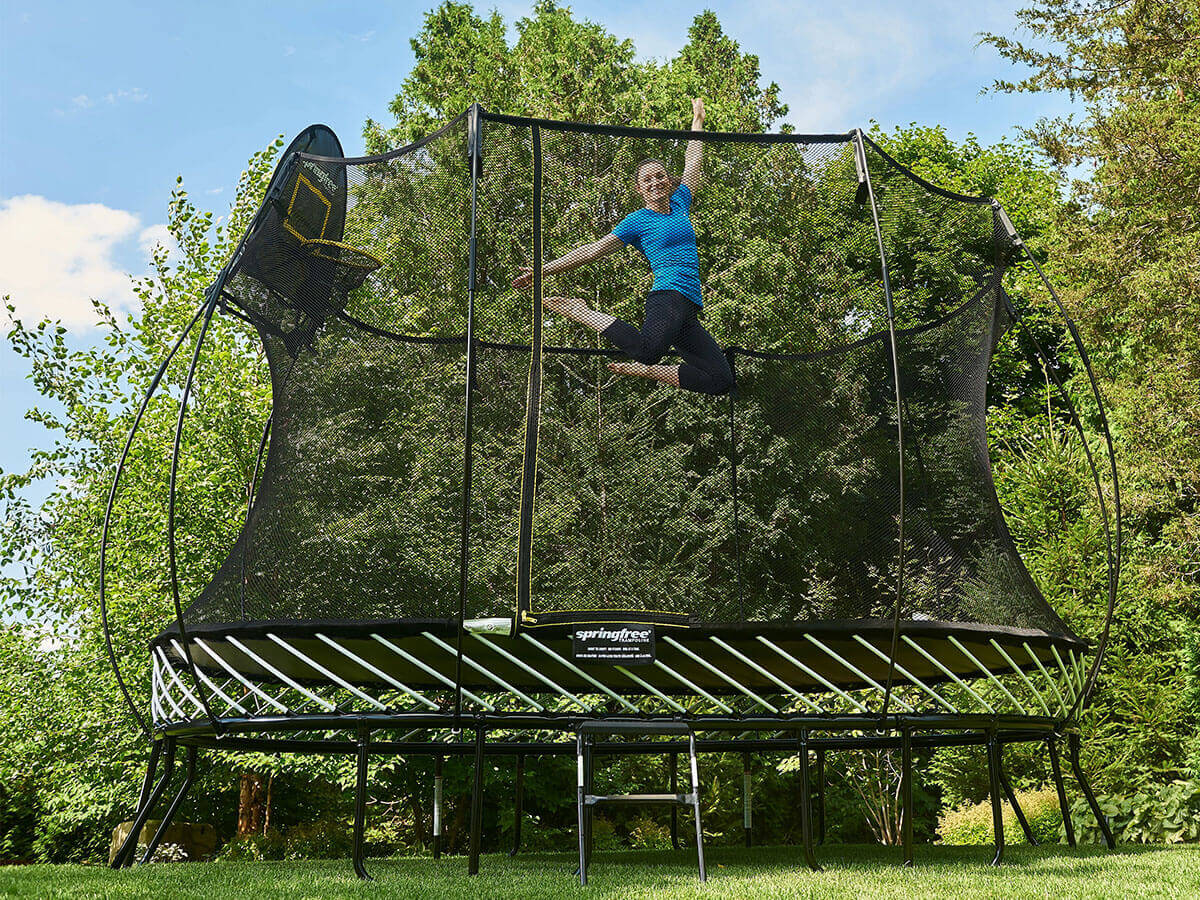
x=169 y=815
x=250 y=493
x=1101 y=820
x=1113 y=561
x=1114 y=544
x=993 y=754
x=124 y=856
x=171 y=549
x=1112 y=538
x=360 y=802
x=112 y=496
x=1056 y=770
x=865 y=174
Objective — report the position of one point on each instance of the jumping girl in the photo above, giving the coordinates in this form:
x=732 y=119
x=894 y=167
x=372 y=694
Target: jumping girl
x=662 y=231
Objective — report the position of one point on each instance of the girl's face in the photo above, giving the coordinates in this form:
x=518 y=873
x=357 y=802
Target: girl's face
x=653 y=183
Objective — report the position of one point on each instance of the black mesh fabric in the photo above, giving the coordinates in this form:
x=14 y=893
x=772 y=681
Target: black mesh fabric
x=601 y=496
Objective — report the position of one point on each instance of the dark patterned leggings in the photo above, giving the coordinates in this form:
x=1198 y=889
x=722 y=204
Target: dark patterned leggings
x=671 y=319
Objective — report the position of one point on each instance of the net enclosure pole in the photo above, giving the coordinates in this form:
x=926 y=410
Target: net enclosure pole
x=112 y=497
x=475 y=160
x=1113 y=538
x=172 y=561
x=533 y=398
x=864 y=174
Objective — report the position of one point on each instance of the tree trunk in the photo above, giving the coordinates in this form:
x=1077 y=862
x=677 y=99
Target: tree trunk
x=252 y=804
x=457 y=822
x=418 y=819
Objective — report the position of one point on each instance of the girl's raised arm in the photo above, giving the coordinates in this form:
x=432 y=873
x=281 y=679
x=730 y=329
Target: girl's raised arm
x=695 y=150
x=577 y=257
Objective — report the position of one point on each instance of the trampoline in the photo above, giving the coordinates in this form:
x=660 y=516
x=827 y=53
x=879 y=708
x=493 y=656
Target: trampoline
x=461 y=522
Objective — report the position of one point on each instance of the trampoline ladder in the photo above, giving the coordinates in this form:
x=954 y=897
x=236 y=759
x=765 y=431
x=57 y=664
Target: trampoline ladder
x=587 y=802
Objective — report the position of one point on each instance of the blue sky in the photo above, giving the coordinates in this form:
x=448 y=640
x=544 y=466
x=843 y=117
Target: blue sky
x=103 y=105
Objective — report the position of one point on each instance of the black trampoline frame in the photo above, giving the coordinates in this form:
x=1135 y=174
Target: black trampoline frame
x=784 y=733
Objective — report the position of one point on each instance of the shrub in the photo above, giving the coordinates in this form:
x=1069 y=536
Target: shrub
x=648 y=832
x=255 y=847
x=1168 y=814
x=972 y=825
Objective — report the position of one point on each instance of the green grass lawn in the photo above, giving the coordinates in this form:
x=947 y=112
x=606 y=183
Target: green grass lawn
x=850 y=871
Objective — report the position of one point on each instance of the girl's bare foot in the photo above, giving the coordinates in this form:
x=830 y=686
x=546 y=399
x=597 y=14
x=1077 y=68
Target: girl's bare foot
x=574 y=308
x=571 y=307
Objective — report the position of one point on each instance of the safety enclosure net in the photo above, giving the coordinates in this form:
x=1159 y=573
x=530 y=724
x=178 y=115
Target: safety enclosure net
x=819 y=489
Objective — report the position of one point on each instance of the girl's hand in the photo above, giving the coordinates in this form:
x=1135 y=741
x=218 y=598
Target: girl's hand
x=697 y=111
x=525 y=279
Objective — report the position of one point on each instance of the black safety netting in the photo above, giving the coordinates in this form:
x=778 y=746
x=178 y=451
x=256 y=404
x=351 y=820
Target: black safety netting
x=598 y=495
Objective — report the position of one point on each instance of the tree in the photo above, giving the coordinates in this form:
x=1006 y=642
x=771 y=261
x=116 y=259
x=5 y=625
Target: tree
x=1125 y=250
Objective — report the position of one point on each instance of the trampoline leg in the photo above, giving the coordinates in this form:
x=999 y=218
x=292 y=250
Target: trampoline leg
x=477 y=803
x=589 y=812
x=906 y=795
x=129 y=848
x=143 y=794
x=1073 y=748
x=188 y=778
x=696 y=806
x=806 y=805
x=437 y=807
x=579 y=791
x=360 y=803
x=673 y=769
x=993 y=752
x=747 y=809
x=1012 y=801
x=820 y=795
x=1056 y=769
x=517 y=805
x=148 y=781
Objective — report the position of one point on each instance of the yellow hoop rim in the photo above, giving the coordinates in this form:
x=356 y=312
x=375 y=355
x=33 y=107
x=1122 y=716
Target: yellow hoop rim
x=321 y=242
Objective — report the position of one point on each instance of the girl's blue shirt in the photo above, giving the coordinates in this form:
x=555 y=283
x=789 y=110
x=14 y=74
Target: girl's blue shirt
x=668 y=242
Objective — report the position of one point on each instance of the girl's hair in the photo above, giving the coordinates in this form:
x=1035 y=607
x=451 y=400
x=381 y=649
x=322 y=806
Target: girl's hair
x=651 y=161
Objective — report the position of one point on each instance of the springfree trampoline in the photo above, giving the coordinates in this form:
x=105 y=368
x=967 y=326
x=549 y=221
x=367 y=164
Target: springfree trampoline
x=461 y=522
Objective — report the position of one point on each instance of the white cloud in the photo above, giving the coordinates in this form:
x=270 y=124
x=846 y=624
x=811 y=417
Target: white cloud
x=133 y=95
x=80 y=102
x=55 y=256
x=153 y=236
x=837 y=65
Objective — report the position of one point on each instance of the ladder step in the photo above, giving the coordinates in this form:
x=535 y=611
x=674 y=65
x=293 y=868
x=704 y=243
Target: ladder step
x=680 y=799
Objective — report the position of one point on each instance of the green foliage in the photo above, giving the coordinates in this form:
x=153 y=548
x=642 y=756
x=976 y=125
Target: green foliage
x=1192 y=689
x=972 y=825
x=1159 y=814
x=1123 y=250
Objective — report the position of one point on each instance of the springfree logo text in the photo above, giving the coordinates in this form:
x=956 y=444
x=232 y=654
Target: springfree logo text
x=620 y=635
